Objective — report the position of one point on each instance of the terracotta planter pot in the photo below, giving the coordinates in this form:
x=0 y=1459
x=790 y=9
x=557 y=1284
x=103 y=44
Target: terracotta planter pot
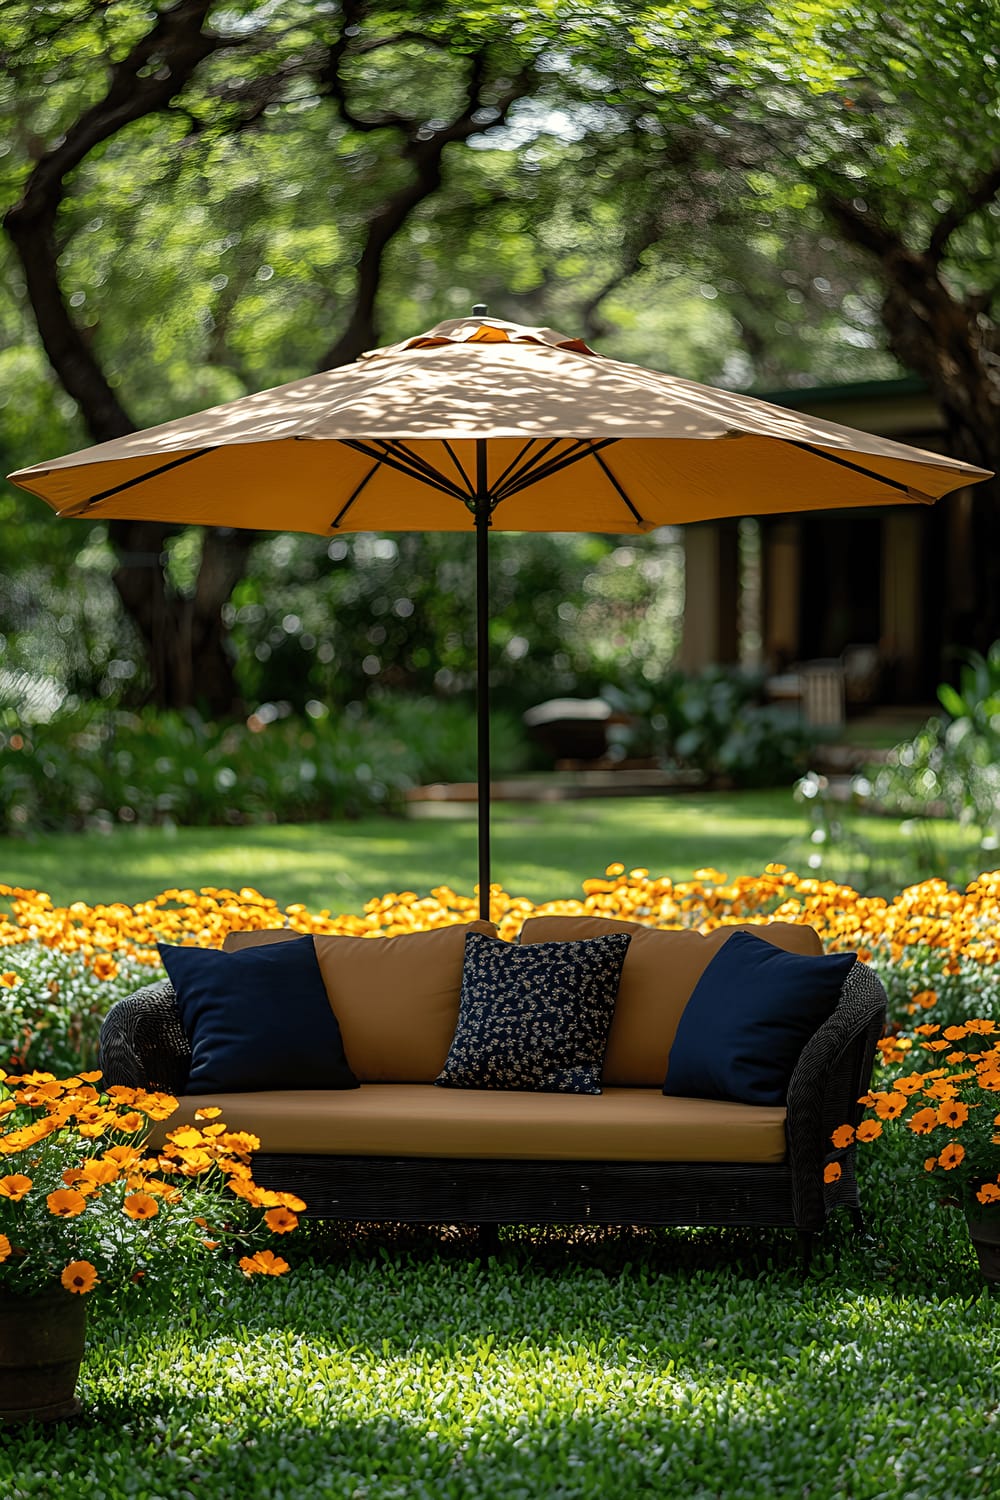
x=984 y=1232
x=41 y=1346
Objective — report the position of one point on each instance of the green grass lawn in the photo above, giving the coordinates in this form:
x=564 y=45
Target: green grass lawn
x=573 y=1364
x=541 y=850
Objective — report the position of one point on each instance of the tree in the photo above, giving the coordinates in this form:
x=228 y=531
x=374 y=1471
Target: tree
x=220 y=84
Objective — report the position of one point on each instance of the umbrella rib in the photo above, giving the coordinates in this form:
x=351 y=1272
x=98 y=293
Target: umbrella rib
x=455 y=460
x=533 y=473
x=498 y=488
x=342 y=512
x=129 y=484
x=424 y=467
x=846 y=463
x=617 y=487
x=431 y=477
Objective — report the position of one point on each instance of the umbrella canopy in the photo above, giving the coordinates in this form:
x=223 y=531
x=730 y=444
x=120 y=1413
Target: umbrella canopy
x=481 y=423
x=575 y=442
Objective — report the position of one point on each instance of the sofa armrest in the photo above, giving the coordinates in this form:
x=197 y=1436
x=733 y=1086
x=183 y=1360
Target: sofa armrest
x=142 y=1042
x=833 y=1071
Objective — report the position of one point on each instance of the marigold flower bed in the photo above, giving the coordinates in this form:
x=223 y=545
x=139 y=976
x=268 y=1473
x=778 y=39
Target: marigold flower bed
x=63 y=966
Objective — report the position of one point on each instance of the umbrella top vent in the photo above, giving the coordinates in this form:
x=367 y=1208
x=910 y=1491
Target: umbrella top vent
x=483 y=330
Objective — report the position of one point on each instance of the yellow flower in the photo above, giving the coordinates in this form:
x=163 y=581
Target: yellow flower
x=79 y=1276
x=140 y=1206
x=66 y=1203
x=208 y=1112
x=15 y=1186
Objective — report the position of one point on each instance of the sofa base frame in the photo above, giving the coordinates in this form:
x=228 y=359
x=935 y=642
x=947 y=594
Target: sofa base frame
x=430 y=1190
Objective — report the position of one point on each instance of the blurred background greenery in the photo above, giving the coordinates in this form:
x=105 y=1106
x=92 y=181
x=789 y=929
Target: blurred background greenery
x=203 y=199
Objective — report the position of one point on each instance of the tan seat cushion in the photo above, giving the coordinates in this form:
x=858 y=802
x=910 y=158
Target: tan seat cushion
x=384 y=1119
x=660 y=973
x=395 y=999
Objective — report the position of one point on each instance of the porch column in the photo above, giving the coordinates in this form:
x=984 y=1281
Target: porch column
x=710 y=635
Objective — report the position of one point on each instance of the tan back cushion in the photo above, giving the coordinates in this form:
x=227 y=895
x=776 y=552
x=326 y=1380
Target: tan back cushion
x=395 y=999
x=660 y=973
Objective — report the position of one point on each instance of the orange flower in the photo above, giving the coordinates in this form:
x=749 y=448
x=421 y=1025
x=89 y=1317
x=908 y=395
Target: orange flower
x=66 y=1203
x=842 y=1136
x=15 y=1186
x=122 y=1156
x=4 y=1247
x=953 y=1114
x=101 y=1172
x=989 y=1193
x=140 y=1206
x=924 y=1121
x=264 y=1263
x=282 y=1220
x=831 y=1173
x=909 y=1085
x=131 y=1121
x=869 y=1130
x=208 y=1112
x=890 y=1106
x=104 y=966
x=923 y=1000
x=79 y=1276
x=952 y=1156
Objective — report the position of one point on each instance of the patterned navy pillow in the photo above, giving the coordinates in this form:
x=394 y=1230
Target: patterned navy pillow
x=537 y=1017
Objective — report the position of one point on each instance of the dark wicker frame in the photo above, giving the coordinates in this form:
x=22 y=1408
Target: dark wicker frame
x=143 y=1045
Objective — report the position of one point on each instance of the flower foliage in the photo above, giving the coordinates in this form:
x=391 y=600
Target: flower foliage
x=947 y=1112
x=89 y=1194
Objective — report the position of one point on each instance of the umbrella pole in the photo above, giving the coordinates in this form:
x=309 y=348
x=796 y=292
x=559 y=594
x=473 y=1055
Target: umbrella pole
x=483 y=509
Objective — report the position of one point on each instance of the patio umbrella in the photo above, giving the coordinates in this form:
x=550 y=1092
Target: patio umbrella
x=480 y=423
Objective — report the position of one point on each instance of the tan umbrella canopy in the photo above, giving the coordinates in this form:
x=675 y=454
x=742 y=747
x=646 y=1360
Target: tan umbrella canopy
x=482 y=423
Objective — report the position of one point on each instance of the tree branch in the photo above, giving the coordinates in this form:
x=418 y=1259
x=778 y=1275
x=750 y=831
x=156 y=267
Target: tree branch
x=424 y=149
x=978 y=196
x=174 y=47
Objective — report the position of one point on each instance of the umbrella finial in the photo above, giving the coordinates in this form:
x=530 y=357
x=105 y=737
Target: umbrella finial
x=480 y=310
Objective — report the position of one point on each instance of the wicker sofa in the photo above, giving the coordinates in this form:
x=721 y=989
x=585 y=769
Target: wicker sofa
x=398 y=1149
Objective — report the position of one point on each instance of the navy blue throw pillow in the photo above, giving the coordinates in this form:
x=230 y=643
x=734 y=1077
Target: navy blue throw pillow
x=536 y=1017
x=750 y=1015
x=257 y=1019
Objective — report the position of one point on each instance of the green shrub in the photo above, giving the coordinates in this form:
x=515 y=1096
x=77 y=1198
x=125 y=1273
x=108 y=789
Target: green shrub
x=714 y=723
x=952 y=764
x=95 y=766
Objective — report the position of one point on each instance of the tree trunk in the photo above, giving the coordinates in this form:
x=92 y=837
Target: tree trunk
x=185 y=638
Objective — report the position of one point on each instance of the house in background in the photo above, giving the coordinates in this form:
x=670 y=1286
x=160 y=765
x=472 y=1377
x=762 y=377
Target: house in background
x=863 y=593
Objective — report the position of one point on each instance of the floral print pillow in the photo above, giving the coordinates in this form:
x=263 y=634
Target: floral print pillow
x=535 y=1018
